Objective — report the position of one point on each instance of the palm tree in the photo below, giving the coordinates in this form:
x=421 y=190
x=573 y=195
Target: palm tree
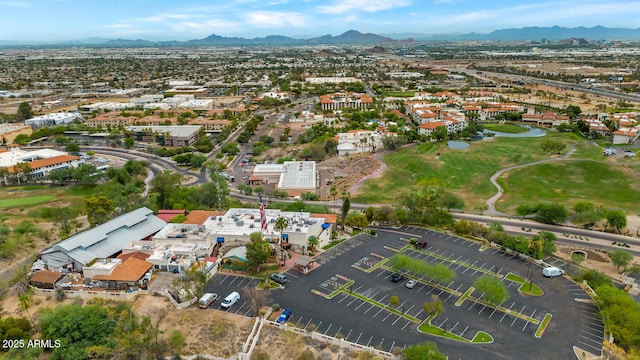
x=346 y=205
x=536 y=244
x=334 y=192
x=281 y=224
x=25 y=303
x=313 y=242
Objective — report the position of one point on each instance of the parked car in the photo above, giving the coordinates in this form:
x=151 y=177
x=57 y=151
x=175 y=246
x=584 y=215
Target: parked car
x=395 y=277
x=411 y=284
x=230 y=300
x=421 y=244
x=284 y=317
x=279 y=278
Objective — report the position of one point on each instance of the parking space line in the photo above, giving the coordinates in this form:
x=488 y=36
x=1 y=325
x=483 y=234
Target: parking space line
x=379 y=311
x=454 y=326
x=405 y=325
x=371 y=307
x=598 y=349
x=444 y=322
x=351 y=302
x=309 y=322
x=385 y=318
x=357 y=307
x=358 y=339
x=369 y=342
x=514 y=321
x=338 y=332
x=589 y=339
x=325 y=332
x=344 y=297
x=589 y=333
x=463 y=331
x=493 y=312
x=525 y=325
x=483 y=307
x=393 y=323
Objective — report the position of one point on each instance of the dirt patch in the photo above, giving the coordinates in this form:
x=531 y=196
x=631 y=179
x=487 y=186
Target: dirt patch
x=344 y=172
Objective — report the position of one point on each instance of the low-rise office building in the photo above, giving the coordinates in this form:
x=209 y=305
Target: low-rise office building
x=238 y=224
x=54 y=119
x=170 y=136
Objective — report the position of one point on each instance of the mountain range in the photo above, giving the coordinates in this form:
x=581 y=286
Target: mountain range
x=553 y=33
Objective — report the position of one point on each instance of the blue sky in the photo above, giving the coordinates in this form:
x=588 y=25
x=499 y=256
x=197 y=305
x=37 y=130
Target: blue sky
x=55 y=20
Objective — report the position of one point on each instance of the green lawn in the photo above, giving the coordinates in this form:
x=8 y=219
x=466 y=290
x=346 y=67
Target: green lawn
x=505 y=128
x=465 y=172
x=613 y=185
x=588 y=150
x=25 y=201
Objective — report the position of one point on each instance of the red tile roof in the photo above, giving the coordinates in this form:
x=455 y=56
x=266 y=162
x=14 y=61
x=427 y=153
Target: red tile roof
x=46 y=277
x=198 y=217
x=37 y=164
x=131 y=269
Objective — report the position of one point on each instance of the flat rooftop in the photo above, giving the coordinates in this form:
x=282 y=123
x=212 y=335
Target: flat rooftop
x=178 y=130
x=17 y=155
x=298 y=175
x=243 y=222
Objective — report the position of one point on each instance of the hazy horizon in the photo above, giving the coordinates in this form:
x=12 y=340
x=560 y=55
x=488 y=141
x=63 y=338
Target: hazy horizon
x=44 y=21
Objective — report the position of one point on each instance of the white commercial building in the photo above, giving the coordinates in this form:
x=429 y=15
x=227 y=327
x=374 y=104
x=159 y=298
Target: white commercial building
x=294 y=177
x=54 y=119
x=238 y=224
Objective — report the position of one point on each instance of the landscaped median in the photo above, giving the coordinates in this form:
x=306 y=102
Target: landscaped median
x=465 y=296
x=525 y=288
x=480 y=337
x=543 y=325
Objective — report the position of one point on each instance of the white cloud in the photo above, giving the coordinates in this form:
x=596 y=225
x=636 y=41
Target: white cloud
x=119 y=26
x=17 y=4
x=211 y=25
x=269 y=19
x=165 y=17
x=344 y=6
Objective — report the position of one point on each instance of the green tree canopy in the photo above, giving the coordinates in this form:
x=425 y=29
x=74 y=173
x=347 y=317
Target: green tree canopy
x=100 y=209
x=258 y=252
x=551 y=213
x=163 y=185
x=24 y=111
x=620 y=258
x=423 y=351
x=493 y=289
x=616 y=219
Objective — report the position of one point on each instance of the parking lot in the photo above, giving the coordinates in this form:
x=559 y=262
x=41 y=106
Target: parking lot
x=348 y=295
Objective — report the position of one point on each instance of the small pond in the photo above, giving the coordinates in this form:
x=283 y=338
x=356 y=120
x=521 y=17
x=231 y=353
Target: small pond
x=457 y=144
x=533 y=132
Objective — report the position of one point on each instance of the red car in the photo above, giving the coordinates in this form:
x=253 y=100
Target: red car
x=421 y=244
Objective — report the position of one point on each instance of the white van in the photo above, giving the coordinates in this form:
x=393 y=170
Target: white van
x=230 y=300
x=206 y=300
x=552 y=271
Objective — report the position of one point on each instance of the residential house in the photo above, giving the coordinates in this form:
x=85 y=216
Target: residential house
x=548 y=118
